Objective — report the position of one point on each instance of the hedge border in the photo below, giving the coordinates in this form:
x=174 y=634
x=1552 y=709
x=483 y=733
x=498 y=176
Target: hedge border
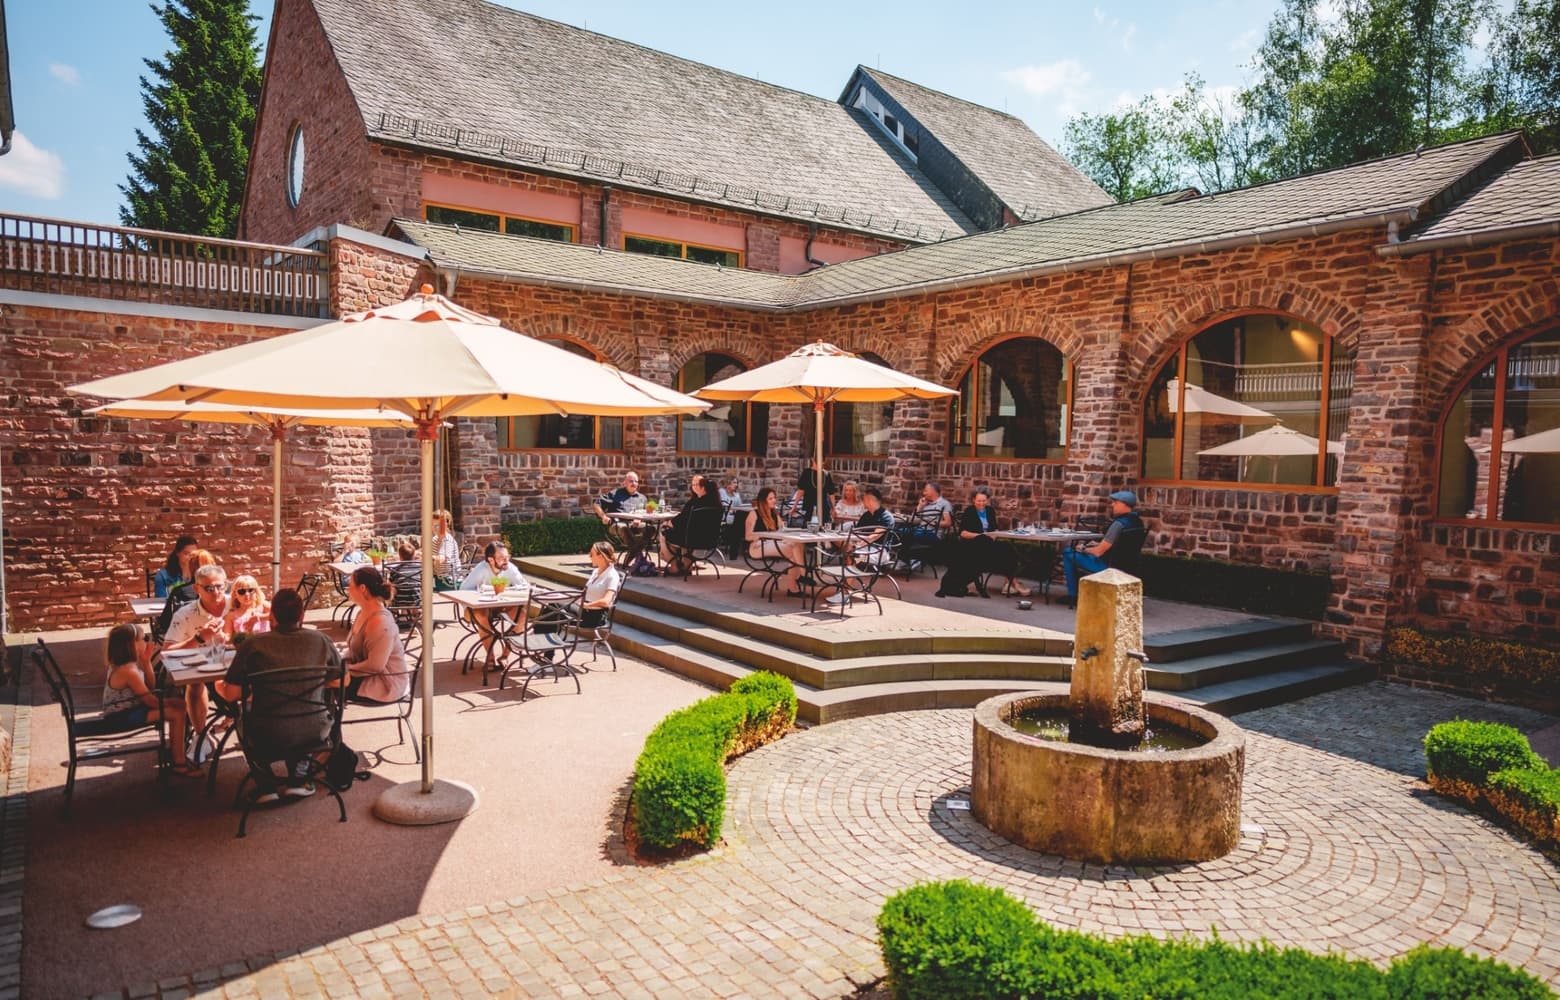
x=553 y=536
x=960 y=941
x=1492 y=768
x=678 y=799
x=1487 y=666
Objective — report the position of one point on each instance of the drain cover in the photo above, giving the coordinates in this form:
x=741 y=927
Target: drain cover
x=962 y=805
x=114 y=916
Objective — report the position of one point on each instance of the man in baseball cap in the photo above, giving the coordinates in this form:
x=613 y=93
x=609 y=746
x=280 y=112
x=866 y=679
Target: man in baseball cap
x=1125 y=533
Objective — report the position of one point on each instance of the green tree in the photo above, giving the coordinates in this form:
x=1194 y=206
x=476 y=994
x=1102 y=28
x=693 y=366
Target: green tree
x=1521 y=86
x=1126 y=152
x=200 y=98
x=1212 y=136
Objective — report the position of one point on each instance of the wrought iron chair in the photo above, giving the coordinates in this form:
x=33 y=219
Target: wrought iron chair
x=771 y=566
x=547 y=642
x=290 y=715
x=921 y=540
x=308 y=585
x=401 y=708
x=700 y=542
x=865 y=561
x=84 y=730
x=601 y=635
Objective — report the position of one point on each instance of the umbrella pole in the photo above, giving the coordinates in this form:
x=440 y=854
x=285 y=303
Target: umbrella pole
x=278 y=436
x=818 y=453
x=426 y=802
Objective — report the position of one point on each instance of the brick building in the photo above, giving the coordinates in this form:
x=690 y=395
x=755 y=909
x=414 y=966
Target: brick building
x=1350 y=372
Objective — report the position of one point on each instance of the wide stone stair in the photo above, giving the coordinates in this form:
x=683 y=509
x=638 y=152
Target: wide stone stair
x=1228 y=669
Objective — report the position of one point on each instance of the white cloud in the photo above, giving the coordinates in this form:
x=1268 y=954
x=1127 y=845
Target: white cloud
x=1112 y=24
x=65 y=73
x=1246 y=41
x=35 y=172
x=1062 y=82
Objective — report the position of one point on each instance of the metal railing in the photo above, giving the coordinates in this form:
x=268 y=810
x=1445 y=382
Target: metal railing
x=143 y=265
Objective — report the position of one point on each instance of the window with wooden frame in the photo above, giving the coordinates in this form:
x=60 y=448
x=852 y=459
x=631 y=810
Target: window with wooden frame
x=1260 y=399
x=554 y=432
x=688 y=251
x=1500 y=438
x=1013 y=402
x=859 y=428
x=493 y=222
x=726 y=428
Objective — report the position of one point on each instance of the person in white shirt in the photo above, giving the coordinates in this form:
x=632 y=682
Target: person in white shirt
x=495 y=563
x=200 y=622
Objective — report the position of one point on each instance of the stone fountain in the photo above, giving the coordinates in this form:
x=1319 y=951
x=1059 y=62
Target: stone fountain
x=1096 y=794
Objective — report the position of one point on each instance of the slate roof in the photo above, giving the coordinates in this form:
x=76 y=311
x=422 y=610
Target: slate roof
x=486 y=81
x=1364 y=194
x=1527 y=194
x=1019 y=167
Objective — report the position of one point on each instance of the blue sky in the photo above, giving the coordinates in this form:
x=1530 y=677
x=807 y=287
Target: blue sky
x=75 y=65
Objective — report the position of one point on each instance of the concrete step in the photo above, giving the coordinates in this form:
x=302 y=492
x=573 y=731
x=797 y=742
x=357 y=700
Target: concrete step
x=815 y=705
x=1186 y=644
x=1277 y=688
x=1235 y=664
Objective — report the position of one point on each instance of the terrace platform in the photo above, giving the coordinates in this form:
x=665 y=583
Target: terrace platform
x=929 y=652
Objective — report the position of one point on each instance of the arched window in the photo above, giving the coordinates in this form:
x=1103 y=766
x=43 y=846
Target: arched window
x=742 y=428
x=1500 y=439
x=1245 y=401
x=860 y=428
x=1013 y=402
x=551 y=432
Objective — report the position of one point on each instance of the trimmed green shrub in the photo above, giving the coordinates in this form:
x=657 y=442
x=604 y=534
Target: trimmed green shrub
x=958 y=941
x=1536 y=792
x=1259 y=589
x=1483 y=665
x=1448 y=974
x=679 y=790
x=1472 y=751
x=555 y=536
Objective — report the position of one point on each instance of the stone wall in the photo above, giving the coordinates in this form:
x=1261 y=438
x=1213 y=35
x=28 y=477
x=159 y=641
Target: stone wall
x=92 y=503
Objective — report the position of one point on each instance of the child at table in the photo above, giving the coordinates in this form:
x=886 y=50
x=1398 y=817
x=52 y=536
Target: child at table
x=129 y=701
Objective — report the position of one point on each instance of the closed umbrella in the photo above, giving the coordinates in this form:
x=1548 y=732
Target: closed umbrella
x=429 y=359
x=820 y=374
x=1200 y=400
x=1542 y=443
x=276 y=420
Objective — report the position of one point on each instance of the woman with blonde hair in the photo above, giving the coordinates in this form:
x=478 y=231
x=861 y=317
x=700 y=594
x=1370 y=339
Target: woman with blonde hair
x=445 y=549
x=850 y=507
x=248 y=610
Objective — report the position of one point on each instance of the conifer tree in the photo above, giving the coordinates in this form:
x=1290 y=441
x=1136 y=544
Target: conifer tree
x=201 y=97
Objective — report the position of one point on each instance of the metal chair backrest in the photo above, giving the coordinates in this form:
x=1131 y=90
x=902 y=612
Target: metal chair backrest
x=308 y=583
x=151 y=581
x=1091 y=522
x=59 y=689
x=1126 y=553
x=290 y=695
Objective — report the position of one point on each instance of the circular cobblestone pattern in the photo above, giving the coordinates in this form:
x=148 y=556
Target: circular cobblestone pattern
x=1336 y=853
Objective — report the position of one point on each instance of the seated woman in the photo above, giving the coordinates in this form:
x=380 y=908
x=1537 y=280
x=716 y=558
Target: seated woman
x=129 y=701
x=973 y=554
x=248 y=611
x=690 y=530
x=601 y=589
x=376 y=660
x=850 y=506
x=445 y=547
x=765 y=516
x=177 y=569
x=182 y=593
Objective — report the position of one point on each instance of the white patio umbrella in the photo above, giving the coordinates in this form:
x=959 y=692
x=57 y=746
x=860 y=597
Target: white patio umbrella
x=277 y=421
x=820 y=374
x=1542 y=443
x=1277 y=441
x=430 y=359
x=1200 y=400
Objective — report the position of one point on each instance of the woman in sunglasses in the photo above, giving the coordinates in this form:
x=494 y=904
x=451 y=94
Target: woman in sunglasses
x=248 y=611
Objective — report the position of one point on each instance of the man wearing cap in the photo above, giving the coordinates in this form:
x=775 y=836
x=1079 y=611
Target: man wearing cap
x=1079 y=562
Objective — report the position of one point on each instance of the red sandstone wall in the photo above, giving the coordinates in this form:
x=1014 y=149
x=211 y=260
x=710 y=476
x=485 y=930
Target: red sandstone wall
x=304 y=84
x=90 y=503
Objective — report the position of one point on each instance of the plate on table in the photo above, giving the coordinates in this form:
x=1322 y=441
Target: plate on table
x=114 y=916
x=184 y=657
x=210 y=667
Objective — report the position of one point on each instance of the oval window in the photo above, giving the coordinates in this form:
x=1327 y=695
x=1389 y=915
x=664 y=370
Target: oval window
x=295 y=155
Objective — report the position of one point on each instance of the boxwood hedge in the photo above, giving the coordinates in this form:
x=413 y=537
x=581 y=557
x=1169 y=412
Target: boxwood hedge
x=1491 y=767
x=555 y=536
x=959 y=941
x=679 y=790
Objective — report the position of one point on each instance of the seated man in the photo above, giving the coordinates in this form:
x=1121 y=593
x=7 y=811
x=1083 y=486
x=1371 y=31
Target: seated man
x=632 y=536
x=281 y=727
x=874 y=524
x=933 y=518
x=495 y=563
x=1126 y=531
x=690 y=530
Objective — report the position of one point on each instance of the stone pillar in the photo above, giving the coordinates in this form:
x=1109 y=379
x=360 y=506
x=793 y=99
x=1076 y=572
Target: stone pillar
x=1106 y=703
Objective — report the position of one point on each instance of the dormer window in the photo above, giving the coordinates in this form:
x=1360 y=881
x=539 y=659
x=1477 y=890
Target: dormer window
x=908 y=139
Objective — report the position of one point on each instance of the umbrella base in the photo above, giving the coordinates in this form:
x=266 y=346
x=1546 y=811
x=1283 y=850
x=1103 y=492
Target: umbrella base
x=406 y=804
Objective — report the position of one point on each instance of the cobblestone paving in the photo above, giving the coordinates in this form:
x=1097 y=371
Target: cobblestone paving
x=1345 y=850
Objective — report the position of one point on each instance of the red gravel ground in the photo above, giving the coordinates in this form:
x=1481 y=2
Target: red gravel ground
x=551 y=772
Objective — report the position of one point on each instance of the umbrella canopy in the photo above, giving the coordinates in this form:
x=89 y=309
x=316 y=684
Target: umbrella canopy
x=1200 y=400
x=426 y=357
x=429 y=359
x=1544 y=442
x=1276 y=441
x=275 y=419
x=820 y=374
